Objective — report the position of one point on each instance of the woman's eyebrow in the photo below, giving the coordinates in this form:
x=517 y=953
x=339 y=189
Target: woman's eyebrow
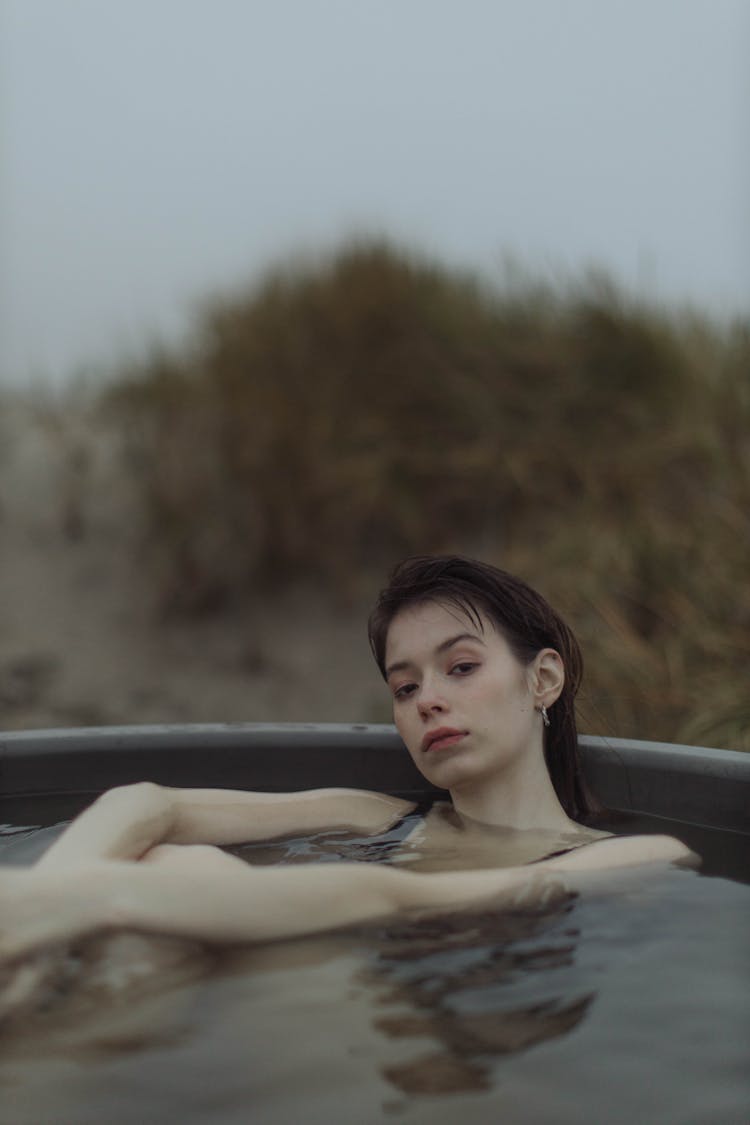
x=401 y=665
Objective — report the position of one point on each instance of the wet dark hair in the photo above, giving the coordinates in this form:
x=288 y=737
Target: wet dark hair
x=528 y=624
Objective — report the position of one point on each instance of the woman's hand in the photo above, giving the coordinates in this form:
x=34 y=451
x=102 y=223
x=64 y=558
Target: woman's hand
x=39 y=909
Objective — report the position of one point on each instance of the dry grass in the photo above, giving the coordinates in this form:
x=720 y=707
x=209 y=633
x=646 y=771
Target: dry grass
x=348 y=412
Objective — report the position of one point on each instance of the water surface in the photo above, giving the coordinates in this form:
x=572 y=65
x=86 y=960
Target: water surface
x=627 y=1003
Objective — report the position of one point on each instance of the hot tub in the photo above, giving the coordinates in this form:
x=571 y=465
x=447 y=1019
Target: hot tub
x=626 y=1004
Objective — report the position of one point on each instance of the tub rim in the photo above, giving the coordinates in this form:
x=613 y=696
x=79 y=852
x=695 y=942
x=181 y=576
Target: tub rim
x=693 y=784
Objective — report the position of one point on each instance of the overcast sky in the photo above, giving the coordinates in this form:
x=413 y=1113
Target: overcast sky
x=158 y=151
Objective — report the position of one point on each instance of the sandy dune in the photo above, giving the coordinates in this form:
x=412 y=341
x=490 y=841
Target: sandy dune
x=81 y=643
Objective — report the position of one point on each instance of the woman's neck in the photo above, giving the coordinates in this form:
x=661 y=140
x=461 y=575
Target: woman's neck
x=521 y=796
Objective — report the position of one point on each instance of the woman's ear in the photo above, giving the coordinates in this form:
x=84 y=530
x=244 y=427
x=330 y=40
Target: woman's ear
x=547 y=676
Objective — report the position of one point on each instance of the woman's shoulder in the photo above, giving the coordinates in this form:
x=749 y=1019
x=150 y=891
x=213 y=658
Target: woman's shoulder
x=609 y=852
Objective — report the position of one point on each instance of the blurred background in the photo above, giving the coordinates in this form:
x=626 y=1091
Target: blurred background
x=292 y=289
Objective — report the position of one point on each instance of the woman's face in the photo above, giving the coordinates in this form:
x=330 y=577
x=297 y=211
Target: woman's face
x=462 y=701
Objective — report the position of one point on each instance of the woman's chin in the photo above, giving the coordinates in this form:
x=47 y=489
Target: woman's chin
x=445 y=770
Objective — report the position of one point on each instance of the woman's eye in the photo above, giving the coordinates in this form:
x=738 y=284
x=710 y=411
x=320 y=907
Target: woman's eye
x=463 y=668
x=404 y=691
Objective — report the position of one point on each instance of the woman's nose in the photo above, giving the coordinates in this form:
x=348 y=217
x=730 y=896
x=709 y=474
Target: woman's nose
x=430 y=702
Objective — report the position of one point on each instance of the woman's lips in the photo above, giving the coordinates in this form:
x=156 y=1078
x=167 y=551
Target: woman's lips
x=442 y=738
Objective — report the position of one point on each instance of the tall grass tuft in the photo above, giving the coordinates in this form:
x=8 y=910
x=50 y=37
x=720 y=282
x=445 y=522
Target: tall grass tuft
x=350 y=411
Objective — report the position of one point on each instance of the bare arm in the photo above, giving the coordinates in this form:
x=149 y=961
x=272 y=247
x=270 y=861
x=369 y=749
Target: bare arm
x=238 y=904
x=267 y=903
x=241 y=903
x=126 y=822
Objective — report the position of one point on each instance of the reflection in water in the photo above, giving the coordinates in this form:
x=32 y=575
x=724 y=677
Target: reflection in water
x=475 y=1017
x=472 y=987
x=101 y=996
x=447 y=978
x=451 y=980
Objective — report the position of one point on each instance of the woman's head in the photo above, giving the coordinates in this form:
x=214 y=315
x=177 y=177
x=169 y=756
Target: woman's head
x=522 y=617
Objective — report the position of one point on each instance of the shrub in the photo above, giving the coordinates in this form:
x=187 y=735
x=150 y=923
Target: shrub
x=350 y=411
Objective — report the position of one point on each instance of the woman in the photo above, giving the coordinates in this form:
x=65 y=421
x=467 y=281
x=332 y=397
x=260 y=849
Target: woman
x=482 y=674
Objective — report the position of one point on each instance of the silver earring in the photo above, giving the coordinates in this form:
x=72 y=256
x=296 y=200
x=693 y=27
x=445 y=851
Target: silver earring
x=545 y=716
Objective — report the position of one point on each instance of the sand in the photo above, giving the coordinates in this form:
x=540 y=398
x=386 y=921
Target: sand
x=82 y=640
